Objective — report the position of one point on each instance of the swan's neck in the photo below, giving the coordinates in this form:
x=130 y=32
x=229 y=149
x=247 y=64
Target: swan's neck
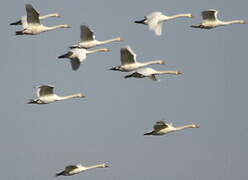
x=70 y=96
x=109 y=41
x=48 y=15
x=233 y=22
x=97 y=50
x=94 y=166
x=179 y=15
x=153 y=62
x=167 y=72
x=184 y=127
x=54 y=27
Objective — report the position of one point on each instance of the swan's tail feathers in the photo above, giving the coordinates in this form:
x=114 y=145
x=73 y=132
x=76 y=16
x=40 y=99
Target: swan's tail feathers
x=16 y=23
x=128 y=76
x=67 y=55
x=59 y=174
x=149 y=133
x=140 y=22
x=19 y=33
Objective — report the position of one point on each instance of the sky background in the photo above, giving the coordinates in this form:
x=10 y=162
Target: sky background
x=108 y=125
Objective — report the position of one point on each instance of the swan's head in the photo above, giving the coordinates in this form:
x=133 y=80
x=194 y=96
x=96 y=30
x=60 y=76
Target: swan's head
x=57 y=15
x=242 y=22
x=195 y=126
x=191 y=16
x=120 y=39
x=105 y=50
x=80 y=95
x=65 y=26
x=117 y=68
x=178 y=72
x=104 y=165
x=161 y=62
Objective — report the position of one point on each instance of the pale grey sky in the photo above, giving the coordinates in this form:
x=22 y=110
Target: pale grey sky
x=107 y=126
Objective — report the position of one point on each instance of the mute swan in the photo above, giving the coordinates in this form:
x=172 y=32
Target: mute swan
x=88 y=39
x=155 y=20
x=161 y=128
x=150 y=73
x=75 y=169
x=210 y=20
x=33 y=25
x=78 y=55
x=45 y=94
x=24 y=18
x=129 y=63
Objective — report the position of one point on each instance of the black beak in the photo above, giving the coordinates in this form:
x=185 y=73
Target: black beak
x=141 y=21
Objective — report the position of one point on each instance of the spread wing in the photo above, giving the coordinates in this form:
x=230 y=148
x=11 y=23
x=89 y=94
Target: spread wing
x=70 y=168
x=210 y=15
x=86 y=33
x=160 y=125
x=32 y=15
x=24 y=22
x=75 y=64
x=155 y=23
x=127 y=56
x=45 y=90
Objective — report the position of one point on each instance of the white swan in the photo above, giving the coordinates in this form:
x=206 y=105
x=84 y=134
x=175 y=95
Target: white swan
x=210 y=20
x=78 y=55
x=129 y=63
x=75 y=169
x=155 y=20
x=150 y=73
x=33 y=25
x=45 y=95
x=161 y=128
x=24 y=18
x=88 y=39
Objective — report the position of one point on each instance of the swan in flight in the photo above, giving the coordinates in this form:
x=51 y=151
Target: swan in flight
x=161 y=128
x=33 y=25
x=210 y=20
x=23 y=19
x=150 y=73
x=155 y=20
x=88 y=39
x=78 y=55
x=45 y=95
x=129 y=63
x=75 y=169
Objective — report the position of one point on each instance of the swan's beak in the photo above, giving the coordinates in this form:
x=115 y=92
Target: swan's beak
x=191 y=16
x=58 y=15
x=82 y=96
x=179 y=72
x=197 y=126
x=121 y=39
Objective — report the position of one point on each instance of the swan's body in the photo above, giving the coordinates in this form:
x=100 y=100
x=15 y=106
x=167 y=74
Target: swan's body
x=45 y=95
x=23 y=19
x=129 y=62
x=75 y=169
x=161 y=128
x=150 y=73
x=88 y=39
x=33 y=25
x=78 y=55
x=210 y=20
x=155 y=20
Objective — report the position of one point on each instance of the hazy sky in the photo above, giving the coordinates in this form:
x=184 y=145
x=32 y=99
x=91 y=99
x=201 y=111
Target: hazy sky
x=108 y=125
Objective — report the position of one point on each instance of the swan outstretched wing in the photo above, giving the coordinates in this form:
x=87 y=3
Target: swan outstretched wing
x=75 y=64
x=44 y=90
x=24 y=22
x=160 y=125
x=127 y=56
x=210 y=15
x=86 y=33
x=32 y=15
x=155 y=23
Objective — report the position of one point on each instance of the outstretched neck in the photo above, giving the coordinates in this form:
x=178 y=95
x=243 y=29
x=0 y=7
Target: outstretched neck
x=154 y=62
x=180 y=15
x=185 y=127
x=55 y=27
x=97 y=50
x=234 y=22
x=48 y=15
x=110 y=40
x=168 y=72
x=70 y=96
x=94 y=166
